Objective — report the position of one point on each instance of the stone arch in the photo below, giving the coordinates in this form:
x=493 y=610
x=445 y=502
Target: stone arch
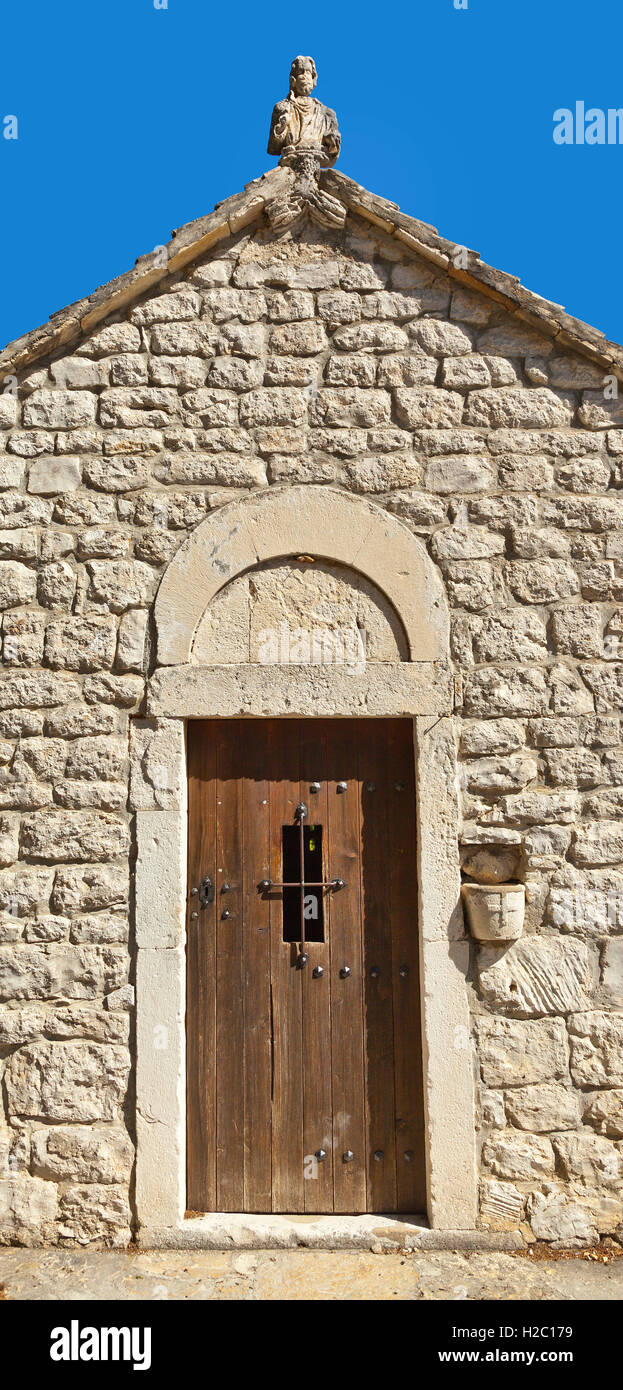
x=319 y=521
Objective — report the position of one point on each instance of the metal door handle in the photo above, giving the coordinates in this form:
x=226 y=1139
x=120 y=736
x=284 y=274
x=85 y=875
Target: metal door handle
x=206 y=892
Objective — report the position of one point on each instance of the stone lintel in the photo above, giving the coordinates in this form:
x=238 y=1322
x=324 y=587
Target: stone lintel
x=383 y=689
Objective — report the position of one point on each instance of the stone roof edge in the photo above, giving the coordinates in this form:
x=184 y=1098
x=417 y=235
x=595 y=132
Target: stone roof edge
x=187 y=243
x=545 y=317
x=194 y=239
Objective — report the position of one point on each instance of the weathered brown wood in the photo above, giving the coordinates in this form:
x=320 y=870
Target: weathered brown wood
x=343 y=848
x=281 y=1064
x=256 y=967
x=377 y=939
x=401 y=830
x=317 y=1105
x=230 y=1025
x=200 y=964
x=286 y=984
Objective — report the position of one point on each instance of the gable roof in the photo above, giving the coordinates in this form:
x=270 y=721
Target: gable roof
x=68 y=326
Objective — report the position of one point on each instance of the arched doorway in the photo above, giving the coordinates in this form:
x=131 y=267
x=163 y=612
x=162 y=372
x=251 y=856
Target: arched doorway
x=291 y=527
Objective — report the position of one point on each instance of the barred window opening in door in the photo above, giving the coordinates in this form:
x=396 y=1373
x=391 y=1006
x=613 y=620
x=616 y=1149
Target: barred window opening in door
x=303 y=891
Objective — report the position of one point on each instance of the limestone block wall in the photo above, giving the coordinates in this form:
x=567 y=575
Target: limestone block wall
x=325 y=358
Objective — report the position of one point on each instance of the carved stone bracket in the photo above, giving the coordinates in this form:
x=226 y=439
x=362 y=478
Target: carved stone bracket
x=305 y=198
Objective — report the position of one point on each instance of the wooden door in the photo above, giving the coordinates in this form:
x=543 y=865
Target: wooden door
x=304 y=1071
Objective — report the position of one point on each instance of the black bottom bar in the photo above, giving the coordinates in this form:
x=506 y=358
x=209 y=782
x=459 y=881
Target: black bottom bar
x=446 y=1338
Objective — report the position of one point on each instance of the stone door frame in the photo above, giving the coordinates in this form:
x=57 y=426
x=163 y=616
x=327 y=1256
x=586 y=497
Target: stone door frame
x=342 y=528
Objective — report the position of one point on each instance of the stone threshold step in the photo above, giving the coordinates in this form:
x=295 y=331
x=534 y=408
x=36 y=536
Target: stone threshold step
x=242 y=1231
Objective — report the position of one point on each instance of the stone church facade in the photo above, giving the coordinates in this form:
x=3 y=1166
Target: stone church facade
x=312 y=404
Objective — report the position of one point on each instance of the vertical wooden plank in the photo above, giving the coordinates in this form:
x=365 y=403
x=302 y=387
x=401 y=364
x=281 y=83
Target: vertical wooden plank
x=256 y=966
x=229 y=987
x=317 y=1116
x=287 y=1100
x=345 y=949
x=377 y=936
x=200 y=966
x=401 y=811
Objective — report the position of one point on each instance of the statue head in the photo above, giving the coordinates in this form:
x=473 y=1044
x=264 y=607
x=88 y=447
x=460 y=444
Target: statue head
x=303 y=77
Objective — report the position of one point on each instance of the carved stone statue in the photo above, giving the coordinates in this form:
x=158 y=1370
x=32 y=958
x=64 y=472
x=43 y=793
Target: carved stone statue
x=301 y=125
x=305 y=135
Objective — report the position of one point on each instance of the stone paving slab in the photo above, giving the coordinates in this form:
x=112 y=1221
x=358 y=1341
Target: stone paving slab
x=305 y=1275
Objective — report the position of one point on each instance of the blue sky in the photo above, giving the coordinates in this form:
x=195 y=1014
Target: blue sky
x=135 y=119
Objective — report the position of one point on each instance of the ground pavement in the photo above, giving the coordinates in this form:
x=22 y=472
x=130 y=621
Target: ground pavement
x=307 y=1274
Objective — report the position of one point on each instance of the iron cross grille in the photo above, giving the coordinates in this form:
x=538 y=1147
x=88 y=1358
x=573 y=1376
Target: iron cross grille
x=267 y=884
